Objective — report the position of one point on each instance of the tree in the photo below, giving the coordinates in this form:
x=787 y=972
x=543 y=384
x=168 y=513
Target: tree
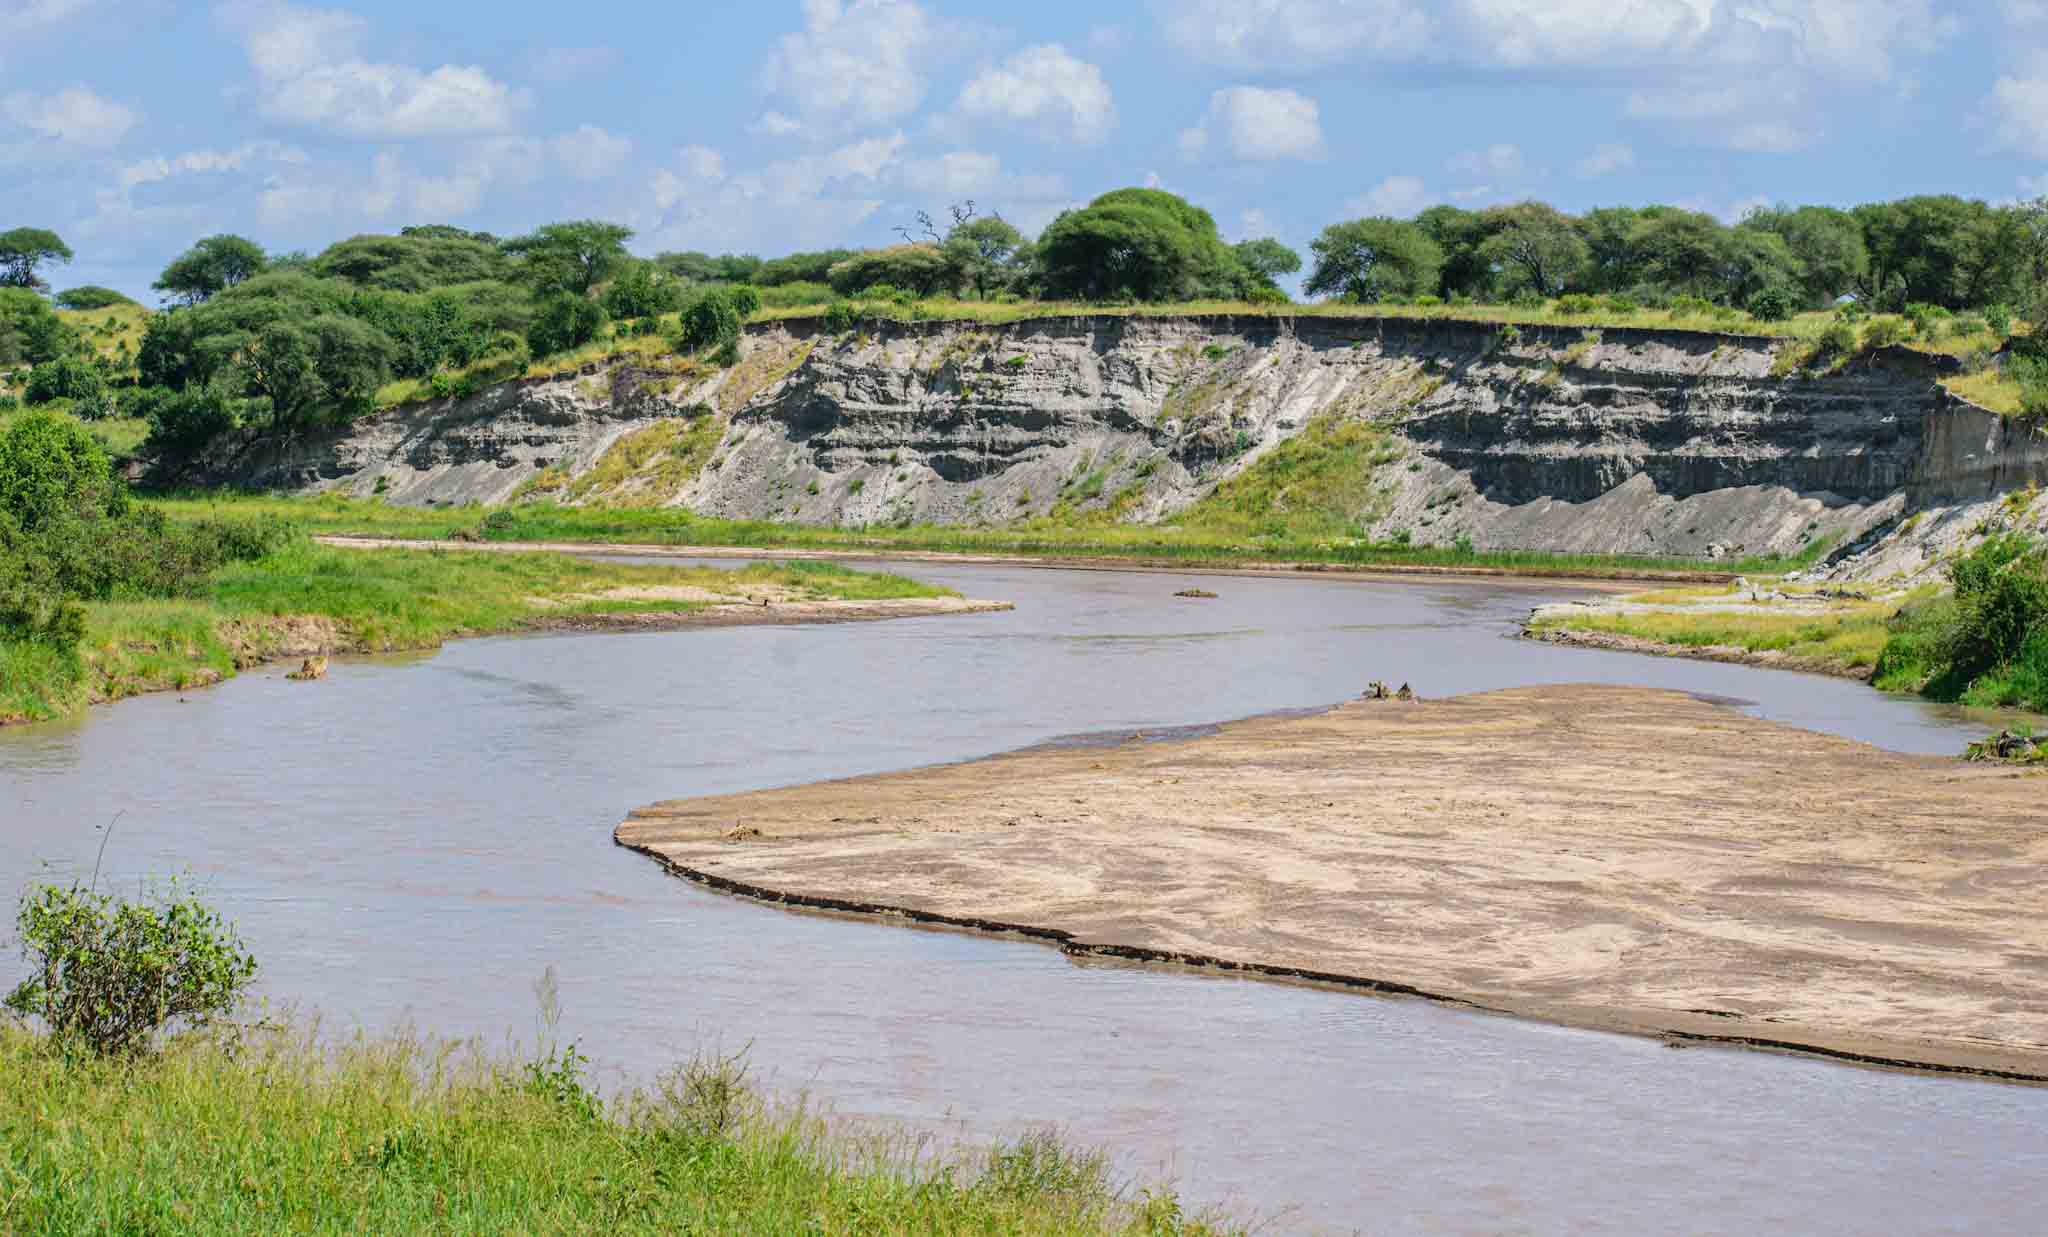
x=1826 y=246
x=979 y=253
x=1458 y=234
x=1141 y=243
x=30 y=330
x=563 y=322
x=570 y=257
x=1933 y=249
x=23 y=251
x=210 y=267
x=1371 y=259
x=642 y=290
x=1264 y=260
x=1679 y=251
x=800 y=267
x=327 y=367
x=1612 y=263
x=1748 y=263
x=1535 y=247
x=52 y=469
x=416 y=260
x=90 y=296
x=920 y=269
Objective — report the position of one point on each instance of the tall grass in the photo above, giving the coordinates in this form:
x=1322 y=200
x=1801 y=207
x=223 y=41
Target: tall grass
x=1226 y=536
x=271 y=1133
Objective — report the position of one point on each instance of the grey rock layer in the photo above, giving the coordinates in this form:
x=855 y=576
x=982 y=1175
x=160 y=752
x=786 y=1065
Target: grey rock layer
x=1546 y=438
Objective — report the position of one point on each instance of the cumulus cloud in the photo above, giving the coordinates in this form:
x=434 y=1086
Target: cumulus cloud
x=775 y=124
x=860 y=63
x=1256 y=124
x=18 y=16
x=2020 y=102
x=1295 y=34
x=487 y=163
x=590 y=152
x=74 y=116
x=1045 y=87
x=1396 y=196
x=975 y=173
x=1501 y=159
x=1606 y=159
x=196 y=162
x=313 y=75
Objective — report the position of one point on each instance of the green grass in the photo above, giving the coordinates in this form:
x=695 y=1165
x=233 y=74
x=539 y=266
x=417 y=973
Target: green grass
x=371 y=600
x=1851 y=638
x=121 y=436
x=271 y=1134
x=1214 y=540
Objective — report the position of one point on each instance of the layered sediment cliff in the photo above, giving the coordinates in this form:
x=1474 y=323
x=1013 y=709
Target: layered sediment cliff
x=1555 y=438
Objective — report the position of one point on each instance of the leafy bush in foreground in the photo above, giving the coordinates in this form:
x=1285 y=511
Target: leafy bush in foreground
x=108 y=975
x=1986 y=645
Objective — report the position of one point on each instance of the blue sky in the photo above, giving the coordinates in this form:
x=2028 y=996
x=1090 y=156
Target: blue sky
x=135 y=126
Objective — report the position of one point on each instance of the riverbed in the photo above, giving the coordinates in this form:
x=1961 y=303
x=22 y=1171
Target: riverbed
x=416 y=841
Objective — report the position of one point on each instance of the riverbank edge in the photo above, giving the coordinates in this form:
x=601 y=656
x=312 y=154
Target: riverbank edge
x=1677 y=1030
x=1726 y=654
x=280 y=639
x=1603 y=580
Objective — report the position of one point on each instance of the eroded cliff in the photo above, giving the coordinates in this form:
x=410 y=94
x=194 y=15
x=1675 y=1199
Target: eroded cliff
x=1555 y=438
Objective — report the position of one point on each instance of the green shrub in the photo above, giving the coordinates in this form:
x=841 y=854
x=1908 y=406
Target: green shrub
x=1576 y=304
x=709 y=321
x=1691 y=307
x=1622 y=305
x=91 y=296
x=64 y=378
x=1773 y=305
x=51 y=470
x=182 y=422
x=1988 y=644
x=1838 y=340
x=1999 y=319
x=107 y=975
x=1851 y=311
x=564 y=322
x=841 y=316
x=1883 y=333
x=746 y=300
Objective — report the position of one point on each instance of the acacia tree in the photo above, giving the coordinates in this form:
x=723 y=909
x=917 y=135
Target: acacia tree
x=1534 y=246
x=1263 y=261
x=210 y=267
x=1143 y=243
x=24 y=250
x=980 y=252
x=570 y=257
x=1371 y=259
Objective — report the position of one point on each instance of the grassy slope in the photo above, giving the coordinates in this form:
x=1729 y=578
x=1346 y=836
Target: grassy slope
x=393 y=1137
x=361 y=600
x=1249 y=521
x=1850 y=638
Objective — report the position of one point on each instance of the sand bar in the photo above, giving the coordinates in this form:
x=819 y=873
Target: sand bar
x=1619 y=858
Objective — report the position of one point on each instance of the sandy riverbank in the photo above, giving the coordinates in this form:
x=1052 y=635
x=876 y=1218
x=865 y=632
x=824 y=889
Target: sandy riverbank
x=1617 y=858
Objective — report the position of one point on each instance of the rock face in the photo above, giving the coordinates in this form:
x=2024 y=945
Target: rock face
x=1548 y=438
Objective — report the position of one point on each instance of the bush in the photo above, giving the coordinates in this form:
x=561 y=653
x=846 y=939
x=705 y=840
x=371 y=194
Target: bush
x=1839 y=340
x=51 y=470
x=1577 y=304
x=1987 y=644
x=1622 y=305
x=1528 y=298
x=746 y=300
x=64 y=378
x=564 y=323
x=1928 y=321
x=108 y=975
x=1883 y=333
x=1851 y=311
x=1999 y=319
x=1691 y=307
x=842 y=316
x=1773 y=305
x=183 y=421
x=710 y=320
x=91 y=296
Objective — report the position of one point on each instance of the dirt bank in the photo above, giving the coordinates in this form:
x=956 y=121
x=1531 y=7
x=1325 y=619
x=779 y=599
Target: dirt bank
x=1727 y=654
x=1618 y=858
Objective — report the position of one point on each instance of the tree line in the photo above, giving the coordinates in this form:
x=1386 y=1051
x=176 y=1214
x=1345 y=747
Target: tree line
x=290 y=340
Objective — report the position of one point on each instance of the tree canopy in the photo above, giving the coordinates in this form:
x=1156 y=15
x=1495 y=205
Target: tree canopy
x=23 y=254
x=1371 y=259
x=570 y=257
x=90 y=296
x=416 y=260
x=214 y=265
x=1142 y=244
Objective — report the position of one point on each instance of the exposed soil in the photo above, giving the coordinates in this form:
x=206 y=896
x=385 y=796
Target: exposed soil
x=1619 y=858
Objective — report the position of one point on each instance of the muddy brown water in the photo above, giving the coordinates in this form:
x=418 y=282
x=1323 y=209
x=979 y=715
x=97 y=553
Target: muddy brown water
x=414 y=841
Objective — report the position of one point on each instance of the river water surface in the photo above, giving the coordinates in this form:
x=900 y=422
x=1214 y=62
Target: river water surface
x=415 y=841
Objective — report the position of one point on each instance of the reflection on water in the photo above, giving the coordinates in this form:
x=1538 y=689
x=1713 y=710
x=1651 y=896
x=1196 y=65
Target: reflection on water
x=417 y=842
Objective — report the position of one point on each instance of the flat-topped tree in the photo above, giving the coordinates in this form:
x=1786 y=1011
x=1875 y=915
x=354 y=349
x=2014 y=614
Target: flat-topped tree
x=211 y=267
x=570 y=257
x=23 y=251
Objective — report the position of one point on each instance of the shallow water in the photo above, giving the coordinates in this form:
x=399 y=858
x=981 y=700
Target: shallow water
x=417 y=840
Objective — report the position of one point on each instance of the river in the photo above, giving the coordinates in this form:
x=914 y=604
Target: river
x=414 y=841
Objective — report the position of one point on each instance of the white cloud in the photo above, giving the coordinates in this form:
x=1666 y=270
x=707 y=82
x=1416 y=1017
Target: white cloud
x=700 y=166
x=282 y=205
x=1772 y=137
x=20 y=16
x=775 y=124
x=2022 y=106
x=386 y=184
x=313 y=76
x=1500 y=159
x=1295 y=34
x=490 y=162
x=809 y=200
x=74 y=116
x=859 y=63
x=1397 y=196
x=590 y=152
x=2026 y=12
x=975 y=174
x=1255 y=124
x=160 y=168
x=1046 y=87
x=1606 y=159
